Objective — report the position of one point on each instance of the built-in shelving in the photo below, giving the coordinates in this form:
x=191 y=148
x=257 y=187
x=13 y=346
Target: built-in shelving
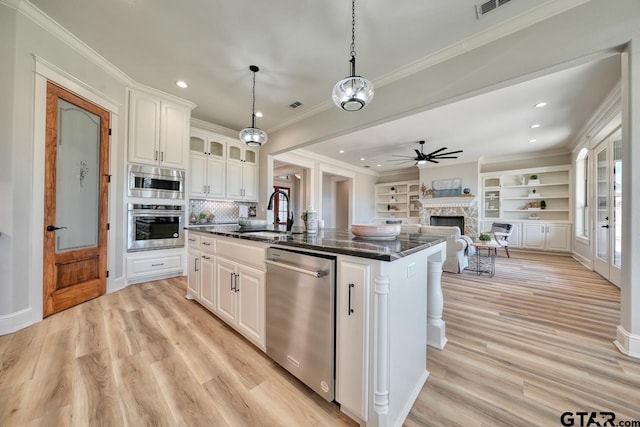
x=397 y=200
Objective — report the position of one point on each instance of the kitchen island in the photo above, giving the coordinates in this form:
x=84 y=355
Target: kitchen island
x=381 y=306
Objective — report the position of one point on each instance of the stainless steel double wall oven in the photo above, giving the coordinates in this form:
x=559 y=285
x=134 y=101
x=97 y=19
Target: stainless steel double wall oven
x=155 y=222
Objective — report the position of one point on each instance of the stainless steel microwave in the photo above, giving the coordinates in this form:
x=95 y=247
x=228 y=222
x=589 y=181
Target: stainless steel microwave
x=154 y=182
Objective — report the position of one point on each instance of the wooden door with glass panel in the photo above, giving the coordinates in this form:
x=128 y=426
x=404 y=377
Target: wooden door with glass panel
x=75 y=211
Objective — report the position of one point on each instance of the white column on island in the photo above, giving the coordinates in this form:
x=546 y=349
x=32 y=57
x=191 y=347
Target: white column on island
x=436 y=327
x=381 y=349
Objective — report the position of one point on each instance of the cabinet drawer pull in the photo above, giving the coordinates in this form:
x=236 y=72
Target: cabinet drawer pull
x=206 y=243
x=192 y=240
x=351 y=286
x=157 y=265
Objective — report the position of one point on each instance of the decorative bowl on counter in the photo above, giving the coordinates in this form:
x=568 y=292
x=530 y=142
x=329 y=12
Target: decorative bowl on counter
x=376 y=231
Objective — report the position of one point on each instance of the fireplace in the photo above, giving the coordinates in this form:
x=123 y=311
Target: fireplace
x=448 y=221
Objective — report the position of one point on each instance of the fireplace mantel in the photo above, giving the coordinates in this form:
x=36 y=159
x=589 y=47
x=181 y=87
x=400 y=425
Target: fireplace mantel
x=448 y=202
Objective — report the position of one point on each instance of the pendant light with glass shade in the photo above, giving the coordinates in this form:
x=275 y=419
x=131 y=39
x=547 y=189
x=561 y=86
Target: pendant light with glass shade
x=253 y=136
x=353 y=93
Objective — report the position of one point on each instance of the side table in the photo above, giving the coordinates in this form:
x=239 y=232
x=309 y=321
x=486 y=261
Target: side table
x=485 y=262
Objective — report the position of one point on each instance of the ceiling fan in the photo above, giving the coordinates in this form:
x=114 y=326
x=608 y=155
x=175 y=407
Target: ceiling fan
x=422 y=158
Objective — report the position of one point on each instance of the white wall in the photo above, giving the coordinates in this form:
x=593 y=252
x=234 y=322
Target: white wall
x=7 y=41
x=22 y=173
x=468 y=172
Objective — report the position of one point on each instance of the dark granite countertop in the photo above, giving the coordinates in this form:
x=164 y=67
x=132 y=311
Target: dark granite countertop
x=332 y=240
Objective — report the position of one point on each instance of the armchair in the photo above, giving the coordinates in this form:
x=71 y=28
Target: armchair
x=501 y=233
x=458 y=246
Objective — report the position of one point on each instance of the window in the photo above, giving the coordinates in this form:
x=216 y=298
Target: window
x=281 y=206
x=582 y=191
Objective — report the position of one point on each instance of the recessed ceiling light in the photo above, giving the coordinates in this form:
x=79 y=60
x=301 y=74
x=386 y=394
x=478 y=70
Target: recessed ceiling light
x=341 y=151
x=540 y=104
x=532 y=140
x=182 y=84
x=378 y=165
x=258 y=114
x=535 y=126
x=361 y=158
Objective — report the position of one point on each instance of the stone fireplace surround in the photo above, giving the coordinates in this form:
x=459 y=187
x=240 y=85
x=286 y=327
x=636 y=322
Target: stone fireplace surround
x=452 y=206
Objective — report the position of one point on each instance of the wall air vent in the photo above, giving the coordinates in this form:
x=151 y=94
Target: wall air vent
x=295 y=104
x=489 y=6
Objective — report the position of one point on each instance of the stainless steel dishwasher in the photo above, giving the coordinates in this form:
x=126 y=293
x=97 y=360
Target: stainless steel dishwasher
x=300 y=316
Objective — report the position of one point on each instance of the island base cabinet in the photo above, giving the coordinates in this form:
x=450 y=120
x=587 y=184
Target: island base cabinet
x=193 y=275
x=240 y=299
x=207 y=277
x=352 y=368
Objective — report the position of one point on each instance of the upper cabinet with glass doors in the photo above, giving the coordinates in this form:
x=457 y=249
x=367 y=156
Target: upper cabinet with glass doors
x=239 y=153
x=207 y=144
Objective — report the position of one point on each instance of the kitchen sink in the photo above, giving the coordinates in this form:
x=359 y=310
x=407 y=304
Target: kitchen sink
x=266 y=234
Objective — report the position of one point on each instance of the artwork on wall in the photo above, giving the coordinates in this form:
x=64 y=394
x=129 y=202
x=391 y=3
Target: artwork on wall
x=447 y=187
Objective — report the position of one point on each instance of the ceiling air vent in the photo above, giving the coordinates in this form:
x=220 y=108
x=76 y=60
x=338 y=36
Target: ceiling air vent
x=489 y=6
x=295 y=104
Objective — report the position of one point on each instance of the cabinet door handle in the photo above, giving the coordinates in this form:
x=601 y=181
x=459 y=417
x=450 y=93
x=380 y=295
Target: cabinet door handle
x=155 y=156
x=204 y=188
x=232 y=281
x=208 y=189
x=195 y=265
x=162 y=156
x=237 y=287
x=351 y=286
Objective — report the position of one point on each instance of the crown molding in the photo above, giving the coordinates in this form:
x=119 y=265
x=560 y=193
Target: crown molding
x=41 y=19
x=160 y=94
x=502 y=29
x=212 y=127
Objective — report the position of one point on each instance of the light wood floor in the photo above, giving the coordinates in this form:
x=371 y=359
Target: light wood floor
x=525 y=346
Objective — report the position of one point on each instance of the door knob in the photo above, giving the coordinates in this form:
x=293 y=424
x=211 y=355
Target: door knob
x=54 y=228
x=605 y=226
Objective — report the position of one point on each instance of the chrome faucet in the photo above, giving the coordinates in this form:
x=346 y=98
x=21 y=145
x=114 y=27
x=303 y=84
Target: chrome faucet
x=289 y=213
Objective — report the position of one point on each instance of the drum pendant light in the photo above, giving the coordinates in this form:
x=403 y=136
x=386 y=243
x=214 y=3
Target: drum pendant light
x=353 y=93
x=253 y=136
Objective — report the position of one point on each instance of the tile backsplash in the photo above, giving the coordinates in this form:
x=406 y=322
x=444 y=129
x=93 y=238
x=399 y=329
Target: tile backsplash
x=224 y=212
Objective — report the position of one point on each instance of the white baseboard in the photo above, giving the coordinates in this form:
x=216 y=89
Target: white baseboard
x=15 y=321
x=412 y=399
x=627 y=343
x=116 y=285
x=584 y=261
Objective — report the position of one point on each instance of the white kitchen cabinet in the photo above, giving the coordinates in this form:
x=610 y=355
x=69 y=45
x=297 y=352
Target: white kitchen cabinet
x=144 y=266
x=547 y=236
x=201 y=270
x=206 y=176
x=240 y=299
x=193 y=274
x=208 y=144
x=242 y=172
x=352 y=344
x=158 y=130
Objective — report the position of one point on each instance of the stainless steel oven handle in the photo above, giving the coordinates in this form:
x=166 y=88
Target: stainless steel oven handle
x=296 y=268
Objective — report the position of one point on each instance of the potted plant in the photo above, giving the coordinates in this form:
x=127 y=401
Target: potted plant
x=484 y=237
x=203 y=218
x=533 y=177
